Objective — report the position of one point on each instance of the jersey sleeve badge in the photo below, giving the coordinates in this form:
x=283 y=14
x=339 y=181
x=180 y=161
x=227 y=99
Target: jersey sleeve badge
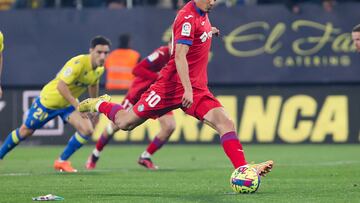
x=186 y=29
x=153 y=56
x=67 y=72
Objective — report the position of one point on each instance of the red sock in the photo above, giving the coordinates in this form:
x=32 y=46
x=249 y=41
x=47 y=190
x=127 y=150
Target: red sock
x=110 y=109
x=233 y=149
x=155 y=145
x=103 y=140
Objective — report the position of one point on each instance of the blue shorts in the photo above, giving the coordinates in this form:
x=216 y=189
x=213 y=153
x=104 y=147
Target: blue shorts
x=38 y=115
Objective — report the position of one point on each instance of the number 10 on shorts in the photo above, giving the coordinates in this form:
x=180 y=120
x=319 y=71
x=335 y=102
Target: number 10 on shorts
x=153 y=99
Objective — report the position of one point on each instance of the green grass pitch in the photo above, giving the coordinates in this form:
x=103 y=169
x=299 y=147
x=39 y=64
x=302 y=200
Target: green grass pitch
x=193 y=173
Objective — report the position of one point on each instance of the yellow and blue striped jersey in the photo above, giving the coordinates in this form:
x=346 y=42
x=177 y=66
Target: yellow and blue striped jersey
x=78 y=74
x=1 y=42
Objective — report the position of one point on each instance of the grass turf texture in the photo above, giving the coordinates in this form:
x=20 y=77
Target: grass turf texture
x=303 y=173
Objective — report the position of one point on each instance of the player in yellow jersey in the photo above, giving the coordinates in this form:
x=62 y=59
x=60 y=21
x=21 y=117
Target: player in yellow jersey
x=1 y=58
x=59 y=98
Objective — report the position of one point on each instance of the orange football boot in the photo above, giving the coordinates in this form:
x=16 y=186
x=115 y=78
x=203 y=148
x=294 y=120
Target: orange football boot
x=64 y=166
x=262 y=168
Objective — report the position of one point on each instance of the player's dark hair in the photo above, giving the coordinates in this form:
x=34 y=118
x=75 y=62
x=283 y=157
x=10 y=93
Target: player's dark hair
x=356 y=28
x=124 y=41
x=99 y=40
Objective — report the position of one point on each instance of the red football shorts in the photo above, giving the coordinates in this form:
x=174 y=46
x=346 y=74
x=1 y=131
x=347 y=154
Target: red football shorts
x=127 y=105
x=162 y=98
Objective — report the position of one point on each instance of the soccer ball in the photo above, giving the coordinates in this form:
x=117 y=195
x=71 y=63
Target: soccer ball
x=244 y=180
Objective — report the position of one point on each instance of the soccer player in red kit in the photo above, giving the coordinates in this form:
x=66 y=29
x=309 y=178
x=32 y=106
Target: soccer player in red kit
x=146 y=73
x=183 y=84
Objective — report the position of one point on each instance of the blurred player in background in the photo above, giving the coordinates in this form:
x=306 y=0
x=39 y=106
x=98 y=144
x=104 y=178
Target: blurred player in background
x=59 y=98
x=356 y=37
x=183 y=84
x=146 y=73
x=1 y=58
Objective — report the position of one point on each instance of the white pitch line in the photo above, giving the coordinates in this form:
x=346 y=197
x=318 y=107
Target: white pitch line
x=58 y=172
x=16 y=174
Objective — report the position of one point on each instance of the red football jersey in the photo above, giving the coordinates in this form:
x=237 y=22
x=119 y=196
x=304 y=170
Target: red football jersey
x=146 y=72
x=149 y=66
x=191 y=27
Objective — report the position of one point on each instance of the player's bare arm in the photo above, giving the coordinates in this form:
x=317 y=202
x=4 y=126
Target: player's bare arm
x=93 y=90
x=64 y=90
x=182 y=68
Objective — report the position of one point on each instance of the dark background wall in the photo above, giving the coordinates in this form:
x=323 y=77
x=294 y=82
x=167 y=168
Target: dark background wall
x=264 y=44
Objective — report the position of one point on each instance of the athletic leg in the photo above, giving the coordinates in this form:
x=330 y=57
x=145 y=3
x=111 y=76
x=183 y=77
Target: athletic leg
x=123 y=119
x=220 y=121
x=104 y=139
x=167 y=127
x=37 y=116
x=14 y=138
x=84 y=131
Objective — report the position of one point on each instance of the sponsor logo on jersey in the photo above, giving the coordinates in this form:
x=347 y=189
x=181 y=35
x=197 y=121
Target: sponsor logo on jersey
x=189 y=16
x=141 y=108
x=80 y=84
x=205 y=36
x=186 y=29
